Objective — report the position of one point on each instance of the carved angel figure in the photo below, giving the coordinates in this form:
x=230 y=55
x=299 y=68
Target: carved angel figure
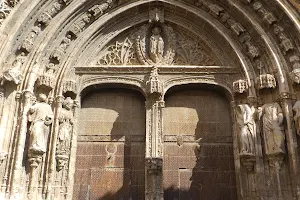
x=245 y=116
x=40 y=116
x=296 y=108
x=273 y=128
x=14 y=73
x=65 y=127
x=156 y=45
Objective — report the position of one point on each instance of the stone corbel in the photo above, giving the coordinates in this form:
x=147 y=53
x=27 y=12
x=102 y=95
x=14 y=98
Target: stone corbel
x=248 y=161
x=35 y=158
x=61 y=161
x=276 y=160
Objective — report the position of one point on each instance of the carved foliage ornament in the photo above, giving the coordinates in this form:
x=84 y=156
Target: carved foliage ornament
x=156 y=44
x=120 y=53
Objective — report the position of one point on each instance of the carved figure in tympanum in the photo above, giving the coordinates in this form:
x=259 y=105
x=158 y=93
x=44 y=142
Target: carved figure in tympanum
x=41 y=117
x=273 y=128
x=157 y=44
x=245 y=116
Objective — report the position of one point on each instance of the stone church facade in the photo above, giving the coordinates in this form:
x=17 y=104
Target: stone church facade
x=149 y=99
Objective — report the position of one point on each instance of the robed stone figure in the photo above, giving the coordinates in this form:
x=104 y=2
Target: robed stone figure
x=40 y=116
x=245 y=116
x=296 y=108
x=273 y=128
x=156 y=45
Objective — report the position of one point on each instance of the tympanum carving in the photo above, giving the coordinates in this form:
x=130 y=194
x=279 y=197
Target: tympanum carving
x=156 y=44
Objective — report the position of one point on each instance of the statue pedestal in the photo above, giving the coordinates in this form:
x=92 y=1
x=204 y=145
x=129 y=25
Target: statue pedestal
x=61 y=161
x=248 y=161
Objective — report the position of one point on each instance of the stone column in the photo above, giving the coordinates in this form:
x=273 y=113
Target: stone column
x=20 y=144
x=3 y=153
x=154 y=141
x=52 y=147
x=72 y=159
x=286 y=104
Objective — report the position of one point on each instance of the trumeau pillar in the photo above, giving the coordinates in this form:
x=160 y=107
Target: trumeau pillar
x=154 y=142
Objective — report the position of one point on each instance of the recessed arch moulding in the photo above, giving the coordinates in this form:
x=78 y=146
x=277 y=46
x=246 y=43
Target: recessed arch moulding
x=51 y=50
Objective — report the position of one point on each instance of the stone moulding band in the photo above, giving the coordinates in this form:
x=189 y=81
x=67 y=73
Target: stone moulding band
x=173 y=69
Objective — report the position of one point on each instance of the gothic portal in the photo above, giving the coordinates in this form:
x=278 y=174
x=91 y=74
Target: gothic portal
x=157 y=99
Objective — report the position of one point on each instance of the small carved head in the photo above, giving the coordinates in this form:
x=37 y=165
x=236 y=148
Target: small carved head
x=68 y=103
x=42 y=97
x=156 y=30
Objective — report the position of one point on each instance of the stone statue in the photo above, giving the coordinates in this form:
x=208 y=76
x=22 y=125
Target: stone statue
x=245 y=116
x=65 y=127
x=14 y=73
x=40 y=116
x=156 y=45
x=273 y=128
x=296 y=108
